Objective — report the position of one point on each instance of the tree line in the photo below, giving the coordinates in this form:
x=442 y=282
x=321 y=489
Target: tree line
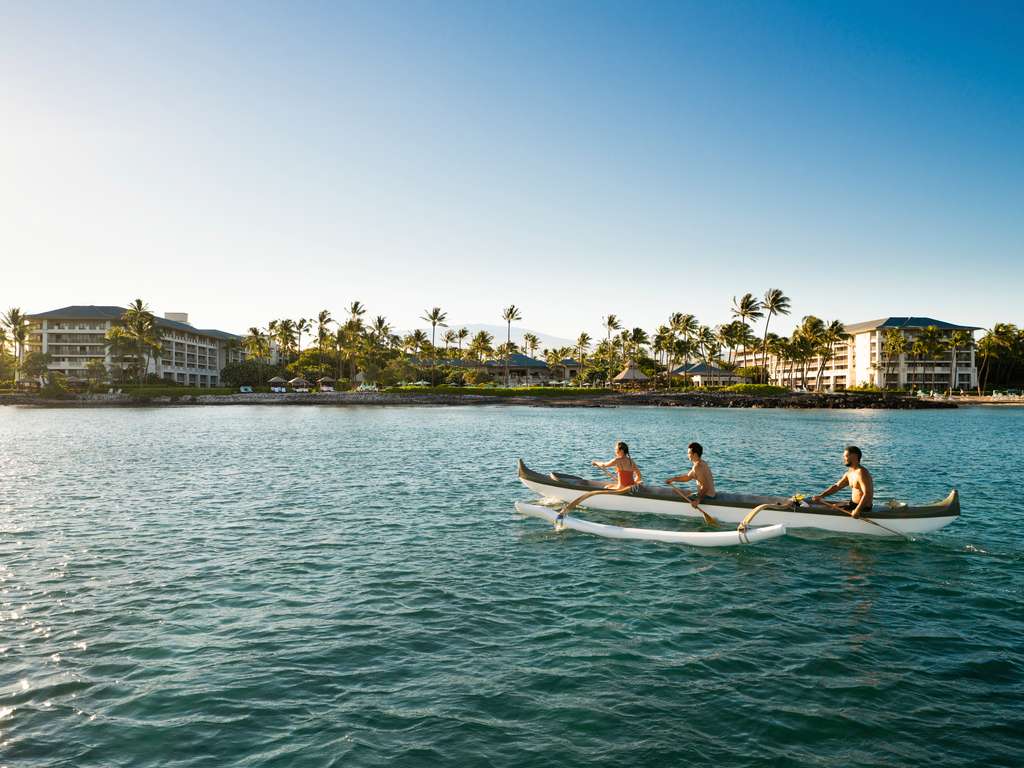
x=340 y=348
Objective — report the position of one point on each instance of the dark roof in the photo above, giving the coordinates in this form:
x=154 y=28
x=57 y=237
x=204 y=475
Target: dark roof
x=454 y=362
x=703 y=369
x=95 y=312
x=89 y=312
x=519 y=360
x=913 y=323
x=570 y=362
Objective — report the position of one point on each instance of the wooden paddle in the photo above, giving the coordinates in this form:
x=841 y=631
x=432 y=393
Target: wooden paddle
x=838 y=508
x=569 y=507
x=708 y=519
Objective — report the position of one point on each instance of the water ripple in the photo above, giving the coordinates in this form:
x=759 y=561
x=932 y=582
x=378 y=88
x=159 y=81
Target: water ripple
x=344 y=586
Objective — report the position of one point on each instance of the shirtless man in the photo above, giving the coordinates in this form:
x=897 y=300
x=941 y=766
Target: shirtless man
x=700 y=472
x=862 y=485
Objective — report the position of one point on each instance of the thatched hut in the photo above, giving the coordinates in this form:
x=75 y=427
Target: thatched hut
x=630 y=376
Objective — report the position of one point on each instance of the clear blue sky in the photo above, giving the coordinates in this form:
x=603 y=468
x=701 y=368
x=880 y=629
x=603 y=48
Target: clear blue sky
x=245 y=161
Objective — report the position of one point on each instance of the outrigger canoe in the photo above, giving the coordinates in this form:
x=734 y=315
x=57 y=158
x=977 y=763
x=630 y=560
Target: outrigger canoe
x=886 y=519
x=693 y=538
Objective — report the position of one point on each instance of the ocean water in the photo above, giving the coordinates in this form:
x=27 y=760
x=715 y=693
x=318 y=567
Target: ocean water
x=284 y=586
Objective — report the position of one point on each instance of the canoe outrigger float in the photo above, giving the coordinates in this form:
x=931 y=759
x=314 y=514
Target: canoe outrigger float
x=891 y=519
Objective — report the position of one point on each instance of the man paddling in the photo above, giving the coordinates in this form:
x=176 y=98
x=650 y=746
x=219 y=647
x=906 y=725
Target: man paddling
x=860 y=482
x=700 y=472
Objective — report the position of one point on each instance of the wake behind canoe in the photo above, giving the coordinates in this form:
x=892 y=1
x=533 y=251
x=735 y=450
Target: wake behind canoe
x=692 y=538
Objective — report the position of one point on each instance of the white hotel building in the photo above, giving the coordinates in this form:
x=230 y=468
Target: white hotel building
x=861 y=360
x=74 y=336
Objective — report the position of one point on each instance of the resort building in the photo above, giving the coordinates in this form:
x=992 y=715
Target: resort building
x=704 y=375
x=74 y=336
x=862 y=360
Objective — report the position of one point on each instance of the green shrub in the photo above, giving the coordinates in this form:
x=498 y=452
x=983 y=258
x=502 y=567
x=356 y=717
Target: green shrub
x=864 y=388
x=501 y=391
x=761 y=390
x=478 y=376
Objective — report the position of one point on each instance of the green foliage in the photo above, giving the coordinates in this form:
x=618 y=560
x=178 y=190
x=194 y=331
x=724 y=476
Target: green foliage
x=478 y=376
x=502 y=391
x=56 y=387
x=761 y=390
x=35 y=365
x=250 y=373
x=752 y=372
x=866 y=387
x=455 y=378
x=396 y=370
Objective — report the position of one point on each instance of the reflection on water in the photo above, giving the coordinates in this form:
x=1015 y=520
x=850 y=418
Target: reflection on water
x=317 y=586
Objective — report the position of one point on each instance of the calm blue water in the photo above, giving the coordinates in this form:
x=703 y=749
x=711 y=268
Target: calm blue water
x=275 y=586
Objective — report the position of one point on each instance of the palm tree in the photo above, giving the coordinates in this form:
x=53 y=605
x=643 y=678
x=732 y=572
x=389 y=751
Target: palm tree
x=257 y=346
x=894 y=344
x=140 y=324
x=747 y=309
x=323 y=332
x=957 y=340
x=583 y=343
x=707 y=343
x=832 y=334
x=809 y=338
x=356 y=310
x=436 y=318
x=480 y=346
x=284 y=335
x=638 y=339
x=553 y=358
x=778 y=348
x=118 y=341
x=417 y=343
x=340 y=342
x=18 y=324
x=928 y=345
x=987 y=348
x=775 y=302
x=449 y=338
x=610 y=323
x=530 y=343
x=510 y=314
x=462 y=334
x=302 y=325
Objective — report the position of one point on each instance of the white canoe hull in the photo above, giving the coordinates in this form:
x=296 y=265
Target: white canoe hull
x=691 y=538
x=803 y=517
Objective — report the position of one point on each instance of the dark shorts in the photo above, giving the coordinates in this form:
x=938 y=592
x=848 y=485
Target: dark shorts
x=849 y=506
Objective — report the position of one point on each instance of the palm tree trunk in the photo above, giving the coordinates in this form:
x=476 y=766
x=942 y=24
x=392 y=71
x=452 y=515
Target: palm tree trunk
x=508 y=350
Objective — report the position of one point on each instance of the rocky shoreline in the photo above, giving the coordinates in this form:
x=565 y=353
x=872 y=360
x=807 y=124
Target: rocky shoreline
x=845 y=400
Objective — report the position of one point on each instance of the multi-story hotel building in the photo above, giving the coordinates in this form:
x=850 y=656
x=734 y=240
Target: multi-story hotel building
x=862 y=360
x=74 y=336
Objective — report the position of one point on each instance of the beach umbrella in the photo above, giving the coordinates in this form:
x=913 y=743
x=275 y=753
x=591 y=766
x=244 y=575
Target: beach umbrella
x=277 y=380
x=298 y=381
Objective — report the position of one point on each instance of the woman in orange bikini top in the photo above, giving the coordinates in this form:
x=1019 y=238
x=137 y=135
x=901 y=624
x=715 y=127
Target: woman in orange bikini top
x=628 y=473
